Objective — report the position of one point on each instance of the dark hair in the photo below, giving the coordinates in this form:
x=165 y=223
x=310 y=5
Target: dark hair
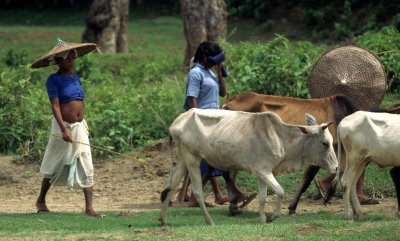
x=206 y=49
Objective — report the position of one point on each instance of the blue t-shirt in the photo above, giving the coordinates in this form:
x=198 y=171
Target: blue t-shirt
x=204 y=86
x=64 y=88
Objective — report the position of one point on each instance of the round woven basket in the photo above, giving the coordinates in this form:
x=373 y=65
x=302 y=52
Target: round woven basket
x=351 y=71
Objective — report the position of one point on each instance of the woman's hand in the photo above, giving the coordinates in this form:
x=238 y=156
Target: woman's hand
x=219 y=67
x=66 y=135
x=222 y=88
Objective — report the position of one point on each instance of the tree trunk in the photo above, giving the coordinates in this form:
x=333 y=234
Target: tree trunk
x=203 y=20
x=107 y=25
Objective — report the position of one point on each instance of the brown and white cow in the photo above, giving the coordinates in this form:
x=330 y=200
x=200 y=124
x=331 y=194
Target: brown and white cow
x=259 y=143
x=292 y=110
x=367 y=137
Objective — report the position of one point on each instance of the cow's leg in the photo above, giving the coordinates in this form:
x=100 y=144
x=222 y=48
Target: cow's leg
x=193 y=166
x=176 y=176
x=395 y=174
x=348 y=181
x=270 y=180
x=197 y=190
x=262 y=198
x=308 y=176
x=355 y=202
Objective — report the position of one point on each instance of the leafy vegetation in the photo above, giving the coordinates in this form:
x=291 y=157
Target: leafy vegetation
x=277 y=67
x=336 y=19
x=386 y=45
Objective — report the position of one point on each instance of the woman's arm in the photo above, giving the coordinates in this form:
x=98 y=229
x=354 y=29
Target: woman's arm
x=192 y=102
x=222 y=88
x=55 y=107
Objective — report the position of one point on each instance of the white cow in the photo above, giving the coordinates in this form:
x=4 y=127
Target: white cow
x=259 y=143
x=367 y=137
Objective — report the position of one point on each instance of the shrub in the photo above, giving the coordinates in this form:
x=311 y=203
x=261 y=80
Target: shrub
x=143 y=112
x=277 y=67
x=15 y=58
x=386 y=45
x=21 y=113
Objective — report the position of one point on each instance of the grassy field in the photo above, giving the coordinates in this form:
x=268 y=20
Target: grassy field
x=188 y=224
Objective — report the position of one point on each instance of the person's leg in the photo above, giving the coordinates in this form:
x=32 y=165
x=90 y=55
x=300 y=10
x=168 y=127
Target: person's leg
x=236 y=194
x=88 y=193
x=325 y=182
x=364 y=199
x=182 y=195
x=41 y=201
x=219 y=197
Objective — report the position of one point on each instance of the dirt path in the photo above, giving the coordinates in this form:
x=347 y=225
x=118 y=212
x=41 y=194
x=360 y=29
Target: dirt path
x=124 y=185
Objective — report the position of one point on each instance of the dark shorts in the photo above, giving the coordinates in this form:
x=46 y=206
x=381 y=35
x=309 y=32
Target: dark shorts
x=204 y=167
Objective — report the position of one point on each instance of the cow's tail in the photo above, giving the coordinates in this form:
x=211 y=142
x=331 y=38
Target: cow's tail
x=171 y=154
x=339 y=157
x=332 y=187
x=171 y=161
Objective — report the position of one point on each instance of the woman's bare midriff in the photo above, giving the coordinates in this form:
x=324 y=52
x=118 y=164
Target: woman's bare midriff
x=72 y=111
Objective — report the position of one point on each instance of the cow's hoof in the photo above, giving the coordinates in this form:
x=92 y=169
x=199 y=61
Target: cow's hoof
x=398 y=214
x=234 y=210
x=271 y=217
x=360 y=217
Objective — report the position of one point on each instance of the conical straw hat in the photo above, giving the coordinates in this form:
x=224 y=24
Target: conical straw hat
x=61 y=46
x=352 y=71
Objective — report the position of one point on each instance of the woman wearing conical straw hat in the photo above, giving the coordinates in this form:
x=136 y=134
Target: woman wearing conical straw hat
x=66 y=162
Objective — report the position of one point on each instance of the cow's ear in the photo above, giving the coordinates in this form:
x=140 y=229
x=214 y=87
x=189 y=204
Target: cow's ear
x=304 y=130
x=324 y=126
x=311 y=121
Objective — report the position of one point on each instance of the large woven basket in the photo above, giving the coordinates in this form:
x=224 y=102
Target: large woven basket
x=351 y=71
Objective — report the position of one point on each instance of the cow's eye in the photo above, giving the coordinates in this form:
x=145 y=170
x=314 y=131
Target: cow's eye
x=325 y=143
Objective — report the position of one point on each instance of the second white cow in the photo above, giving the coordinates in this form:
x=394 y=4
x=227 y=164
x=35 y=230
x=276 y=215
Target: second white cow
x=367 y=137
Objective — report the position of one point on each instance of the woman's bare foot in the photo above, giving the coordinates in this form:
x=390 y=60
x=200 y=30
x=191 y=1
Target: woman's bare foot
x=41 y=207
x=365 y=200
x=221 y=199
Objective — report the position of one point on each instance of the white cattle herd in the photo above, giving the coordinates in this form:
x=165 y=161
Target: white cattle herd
x=263 y=145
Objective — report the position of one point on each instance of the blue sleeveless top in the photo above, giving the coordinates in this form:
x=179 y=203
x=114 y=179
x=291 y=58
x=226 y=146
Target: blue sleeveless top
x=64 y=88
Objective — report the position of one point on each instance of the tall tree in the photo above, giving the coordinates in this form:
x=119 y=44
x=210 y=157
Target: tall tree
x=107 y=25
x=203 y=20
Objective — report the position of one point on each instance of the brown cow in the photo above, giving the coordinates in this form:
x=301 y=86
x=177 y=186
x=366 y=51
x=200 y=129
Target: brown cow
x=292 y=110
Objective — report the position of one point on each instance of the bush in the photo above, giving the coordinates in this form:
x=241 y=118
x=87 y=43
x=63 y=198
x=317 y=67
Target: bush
x=15 y=58
x=22 y=114
x=386 y=45
x=277 y=67
x=143 y=112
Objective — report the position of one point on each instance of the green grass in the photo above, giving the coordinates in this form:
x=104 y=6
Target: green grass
x=188 y=224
